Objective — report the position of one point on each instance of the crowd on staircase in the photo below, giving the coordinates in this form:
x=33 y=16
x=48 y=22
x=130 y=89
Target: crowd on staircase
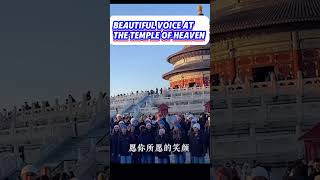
x=6 y=114
x=154 y=138
x=149 y=92
x=297 y=170
x=29 y=172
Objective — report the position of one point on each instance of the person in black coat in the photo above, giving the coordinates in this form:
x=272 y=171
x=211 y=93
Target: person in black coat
x=136 y=156
x=207 y=136
x=151 y=131
x=202 y=121
x=183 y=128
x=114 y=144
x=125 y=139
x=197 y=145
x=116 y=120
x=147 y=139
x=162 y=139
x=154 y=128
x=135 y=124
x=178 y=140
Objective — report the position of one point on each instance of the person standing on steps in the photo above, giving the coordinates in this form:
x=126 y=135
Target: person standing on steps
x=75 y=127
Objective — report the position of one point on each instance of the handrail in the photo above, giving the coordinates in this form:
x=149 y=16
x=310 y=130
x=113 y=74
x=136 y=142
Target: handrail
x=51 y=145
x=84 y=164
x=61 y=166
x=9 y=170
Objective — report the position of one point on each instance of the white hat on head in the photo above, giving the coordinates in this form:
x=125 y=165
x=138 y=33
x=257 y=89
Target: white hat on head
x=119 y=115
x=28 y=169
x=196 y=125
x=260 y=172
x=194 y=120
x=190 y=116
x=162 y=131
x=133 y=120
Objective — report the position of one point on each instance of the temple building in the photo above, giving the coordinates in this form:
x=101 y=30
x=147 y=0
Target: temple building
x=191 y=66
x=265 y=78
x=253 y=38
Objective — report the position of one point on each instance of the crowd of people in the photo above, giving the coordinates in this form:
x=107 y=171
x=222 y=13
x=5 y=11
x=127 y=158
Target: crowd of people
x=149 y=92
x=184 y=132
x=297 y=170
x=5 y=114
x=29 y=172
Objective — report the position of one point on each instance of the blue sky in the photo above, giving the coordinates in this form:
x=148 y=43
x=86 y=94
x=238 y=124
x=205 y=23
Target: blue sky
x=135 y=68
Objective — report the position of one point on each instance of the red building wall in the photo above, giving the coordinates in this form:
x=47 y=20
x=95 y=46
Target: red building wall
x=200 y=81
x=285 y=64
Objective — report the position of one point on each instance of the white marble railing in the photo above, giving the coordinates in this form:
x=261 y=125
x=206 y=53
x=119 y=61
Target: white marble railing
x=185 y=91
x=168 y=96
x=187 y=98
x=26 y=122
x=269 y=88
x=121 y=99
x=194 y=108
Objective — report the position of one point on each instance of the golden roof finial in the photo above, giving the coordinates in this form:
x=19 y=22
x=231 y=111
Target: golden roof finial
x=200 y=10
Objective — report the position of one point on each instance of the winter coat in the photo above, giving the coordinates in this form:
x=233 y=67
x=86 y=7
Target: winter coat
x=207 y=139
x=147 y=138
x=124 y=144
x=179 y=141
x=197 y=145
x=114 y=143
x=162 y=140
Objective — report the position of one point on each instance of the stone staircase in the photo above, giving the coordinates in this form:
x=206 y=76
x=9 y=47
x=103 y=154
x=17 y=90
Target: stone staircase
x=12 y=166
x=142 y=104
x=77 y=149
x=70 y=149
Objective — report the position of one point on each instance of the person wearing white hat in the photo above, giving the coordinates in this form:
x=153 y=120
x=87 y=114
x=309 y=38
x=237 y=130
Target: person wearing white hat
x=197 y=145
x=161 y=139
x=118 y=116
x=124 y=146
x=194 y=120
x=114 y=144
x=28 y=172
x=259 y=173
x=190 y=117
x=116 y=120
x=134 y=121
x=121 y=123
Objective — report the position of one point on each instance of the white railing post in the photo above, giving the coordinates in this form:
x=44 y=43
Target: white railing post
x=230 y=112
x=252 y=141
x=273 y=84
x=299 y=83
